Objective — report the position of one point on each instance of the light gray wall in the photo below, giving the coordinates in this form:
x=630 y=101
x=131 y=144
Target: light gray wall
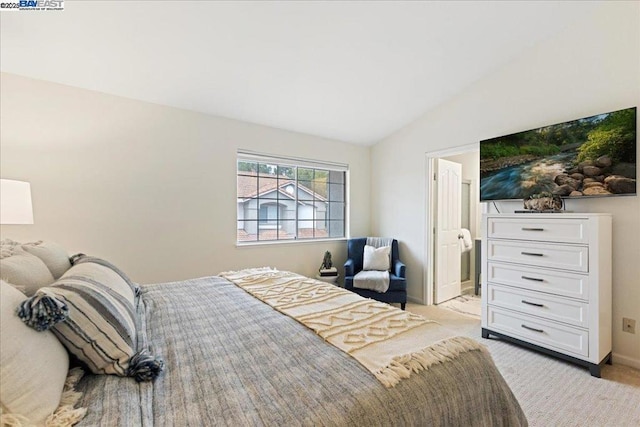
x=148 y=187
x=591 y=67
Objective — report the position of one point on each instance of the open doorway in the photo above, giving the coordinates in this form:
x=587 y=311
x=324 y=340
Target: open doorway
x=466 y=202
x=471 y=212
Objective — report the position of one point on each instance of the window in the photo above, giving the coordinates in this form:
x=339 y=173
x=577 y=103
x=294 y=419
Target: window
x=289 y=199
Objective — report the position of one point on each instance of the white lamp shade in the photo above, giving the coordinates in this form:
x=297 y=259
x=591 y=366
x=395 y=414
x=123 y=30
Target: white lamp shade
x=15 y=202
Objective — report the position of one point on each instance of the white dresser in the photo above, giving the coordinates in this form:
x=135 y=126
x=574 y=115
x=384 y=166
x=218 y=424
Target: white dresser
x=546 y=283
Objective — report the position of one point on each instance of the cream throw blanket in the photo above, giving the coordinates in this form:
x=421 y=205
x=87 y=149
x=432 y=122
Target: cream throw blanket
x=373 y=280
x=389 y=342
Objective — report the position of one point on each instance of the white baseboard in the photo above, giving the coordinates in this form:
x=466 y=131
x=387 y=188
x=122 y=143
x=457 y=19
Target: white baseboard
x=413 y=299
x=627 y=361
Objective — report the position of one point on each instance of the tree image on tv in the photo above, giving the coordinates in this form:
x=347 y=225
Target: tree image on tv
x=593 y=156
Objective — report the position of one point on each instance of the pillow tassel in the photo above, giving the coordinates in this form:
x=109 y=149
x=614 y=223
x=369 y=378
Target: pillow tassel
x=42 y=311
x=145 y=367
x=73 y=259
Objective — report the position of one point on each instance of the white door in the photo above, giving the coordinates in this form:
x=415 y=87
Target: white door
x=447 y=230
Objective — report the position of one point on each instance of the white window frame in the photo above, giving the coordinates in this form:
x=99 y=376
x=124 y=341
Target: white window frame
x=293 y=162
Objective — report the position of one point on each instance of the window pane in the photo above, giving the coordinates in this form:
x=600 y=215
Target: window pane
x=320 y=182
x=247 y=231
x=322 y=175
x=320 y=230
x=268 y=169
x=287 y=189
x=336 y=177
x=320 y=189
x=305 y=174
x=336 y=229
x=336 y=193
x=268 y=234
x=268 y=213
x=286 y=229
x=335 y=211
x=268 y=187
x=312 y=230
x=247 y=186
x=287 y=172
x=247 y=168
x=305 y=191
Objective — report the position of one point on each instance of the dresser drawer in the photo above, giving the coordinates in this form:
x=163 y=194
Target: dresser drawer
x=538 y=331
x=566 y=257
x=550 y=307
x=564 y=230
x=564 y=283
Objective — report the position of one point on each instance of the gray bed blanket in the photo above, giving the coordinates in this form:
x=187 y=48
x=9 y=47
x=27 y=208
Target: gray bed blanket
x=232 y=360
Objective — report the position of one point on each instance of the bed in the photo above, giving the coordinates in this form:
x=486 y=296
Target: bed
x=253 y=347
x=231 y=359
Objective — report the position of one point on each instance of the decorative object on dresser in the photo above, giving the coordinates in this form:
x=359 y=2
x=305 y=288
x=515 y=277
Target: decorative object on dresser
x=547 y=284
x=544 y=201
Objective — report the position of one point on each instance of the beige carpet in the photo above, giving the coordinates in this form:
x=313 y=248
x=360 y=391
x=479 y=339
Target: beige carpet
x=553 y=392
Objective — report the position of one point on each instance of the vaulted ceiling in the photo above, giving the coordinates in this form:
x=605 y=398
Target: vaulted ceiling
x=352 y=71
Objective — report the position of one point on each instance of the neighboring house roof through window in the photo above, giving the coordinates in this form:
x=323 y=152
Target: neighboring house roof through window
x=247 y=187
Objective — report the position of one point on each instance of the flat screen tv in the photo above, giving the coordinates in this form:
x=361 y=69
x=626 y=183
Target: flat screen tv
x=593 y=156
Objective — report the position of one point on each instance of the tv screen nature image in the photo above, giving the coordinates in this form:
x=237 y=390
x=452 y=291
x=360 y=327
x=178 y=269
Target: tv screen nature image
x=593 y=156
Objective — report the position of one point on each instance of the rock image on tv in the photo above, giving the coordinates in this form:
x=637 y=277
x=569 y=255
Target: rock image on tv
x=593 y=156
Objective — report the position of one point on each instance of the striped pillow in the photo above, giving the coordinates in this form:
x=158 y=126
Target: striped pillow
x=92 y=310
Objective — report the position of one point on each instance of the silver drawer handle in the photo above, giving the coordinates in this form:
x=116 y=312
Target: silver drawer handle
x=532 y=303
x=535 y=279
x=531 y=254
x=532 y=329
x=532 y=229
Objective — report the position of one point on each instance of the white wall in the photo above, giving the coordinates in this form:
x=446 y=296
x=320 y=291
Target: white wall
x=148 y=187
x=592 y=67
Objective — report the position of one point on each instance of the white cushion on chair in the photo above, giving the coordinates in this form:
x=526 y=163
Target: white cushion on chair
x=378 y=259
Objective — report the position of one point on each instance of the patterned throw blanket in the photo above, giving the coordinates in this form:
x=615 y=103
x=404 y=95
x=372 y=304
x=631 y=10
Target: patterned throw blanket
x=389 y=342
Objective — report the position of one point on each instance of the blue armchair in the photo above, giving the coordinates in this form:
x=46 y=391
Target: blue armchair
x=397 y=292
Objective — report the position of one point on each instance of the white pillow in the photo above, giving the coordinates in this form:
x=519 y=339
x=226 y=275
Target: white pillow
x=54 y=256
x=33 y=365
x=24 y=271
x=7 y=246
x=377 y=258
